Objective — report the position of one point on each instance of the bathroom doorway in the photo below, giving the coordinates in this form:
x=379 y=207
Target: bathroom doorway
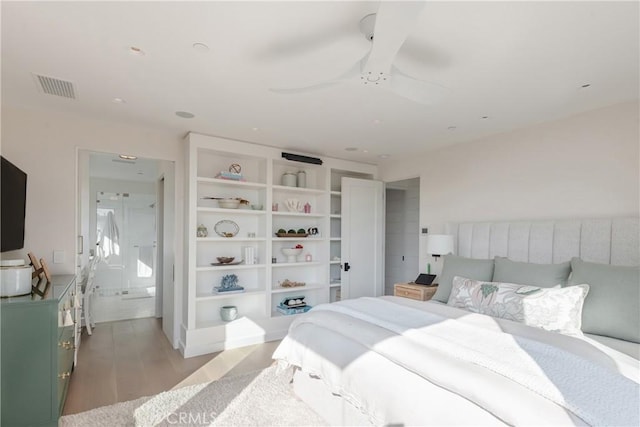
x=121 y=218
x=402 y=232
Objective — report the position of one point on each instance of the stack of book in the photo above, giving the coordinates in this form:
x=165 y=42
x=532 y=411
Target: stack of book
x=232 y=290
x=230 y=175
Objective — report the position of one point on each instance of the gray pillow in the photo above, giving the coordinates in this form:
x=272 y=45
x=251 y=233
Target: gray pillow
x=476 y=269
x=612 y=307
x=526 y=273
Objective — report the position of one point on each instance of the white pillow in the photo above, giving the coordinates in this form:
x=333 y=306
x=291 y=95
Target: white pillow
x=554 y=309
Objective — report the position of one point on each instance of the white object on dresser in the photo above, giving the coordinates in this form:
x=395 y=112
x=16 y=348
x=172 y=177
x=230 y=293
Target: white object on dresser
x=15 y=278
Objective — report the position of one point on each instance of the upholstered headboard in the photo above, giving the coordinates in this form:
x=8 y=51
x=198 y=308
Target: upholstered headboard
x=609 y=241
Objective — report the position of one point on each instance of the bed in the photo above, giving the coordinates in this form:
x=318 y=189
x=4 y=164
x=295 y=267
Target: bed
x=390 y=360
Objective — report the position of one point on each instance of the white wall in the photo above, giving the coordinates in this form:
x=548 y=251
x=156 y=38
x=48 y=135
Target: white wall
x=45 y=145
x=585 y=166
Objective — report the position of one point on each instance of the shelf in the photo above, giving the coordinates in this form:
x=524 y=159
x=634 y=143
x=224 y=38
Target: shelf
x=276 y=313
x=297 y=189
x=231 y=183
x=231 y=211
x=298 y=214
x=230 y=239
x=280 y=290
x=263 y=168
x=217 y=323
x=229 y=267
x=295 y=264
x=212 y=296
x=306 y=239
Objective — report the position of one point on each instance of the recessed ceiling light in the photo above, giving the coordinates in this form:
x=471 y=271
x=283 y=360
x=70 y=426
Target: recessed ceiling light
x=452 y=128
x=119 y=101
x=351 y=149
x=256 y=129
x=127 y=157
x=201 y=47
x=136 y=51
x=365 y=151
x=185 y=114
x=377 y=121
x=584 y=86
x=384 y=156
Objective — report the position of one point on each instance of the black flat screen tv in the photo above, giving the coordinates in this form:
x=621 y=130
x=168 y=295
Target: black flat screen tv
x=13 y=203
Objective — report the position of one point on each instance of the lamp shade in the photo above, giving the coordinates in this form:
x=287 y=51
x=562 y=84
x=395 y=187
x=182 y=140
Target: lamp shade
x=439 y=244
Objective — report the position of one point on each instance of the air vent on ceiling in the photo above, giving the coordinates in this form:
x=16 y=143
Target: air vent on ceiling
x=53 y=86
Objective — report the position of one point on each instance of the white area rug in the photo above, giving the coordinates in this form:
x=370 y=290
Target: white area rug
x=260 y=398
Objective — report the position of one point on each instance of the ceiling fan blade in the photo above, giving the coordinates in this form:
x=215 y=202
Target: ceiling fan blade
x=416 y=90
x=306 y=89
x=350 y=74
x=394 y=22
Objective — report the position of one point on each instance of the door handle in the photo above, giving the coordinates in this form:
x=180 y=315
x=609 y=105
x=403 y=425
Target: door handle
x=347 y=267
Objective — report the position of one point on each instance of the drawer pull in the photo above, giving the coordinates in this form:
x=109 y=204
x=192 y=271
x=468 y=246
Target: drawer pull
x=65 y=344
x=64 y=375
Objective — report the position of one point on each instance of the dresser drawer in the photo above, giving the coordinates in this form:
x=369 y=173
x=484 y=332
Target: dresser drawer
x=417 y=292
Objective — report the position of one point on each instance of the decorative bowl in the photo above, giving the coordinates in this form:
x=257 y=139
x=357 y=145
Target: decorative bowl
x=226 y=228
x=229 y=203
x=225 y=259
x=291 y=253
x=256 y=207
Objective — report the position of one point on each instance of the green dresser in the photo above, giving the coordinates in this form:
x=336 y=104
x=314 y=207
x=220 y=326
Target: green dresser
x=37 y=334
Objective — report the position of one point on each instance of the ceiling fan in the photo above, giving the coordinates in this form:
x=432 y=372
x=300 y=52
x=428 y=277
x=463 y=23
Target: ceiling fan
x=387 y=30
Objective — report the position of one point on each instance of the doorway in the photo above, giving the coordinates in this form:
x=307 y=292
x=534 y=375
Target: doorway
x=122 y=220
x=402 y=232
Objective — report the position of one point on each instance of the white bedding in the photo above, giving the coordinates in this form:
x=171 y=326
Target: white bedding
x=372 y=350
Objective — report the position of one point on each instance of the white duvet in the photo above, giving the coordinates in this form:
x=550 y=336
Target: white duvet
x=518 y=374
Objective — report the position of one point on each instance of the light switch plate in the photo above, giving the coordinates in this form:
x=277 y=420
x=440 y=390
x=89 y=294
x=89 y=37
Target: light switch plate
x=58 y=257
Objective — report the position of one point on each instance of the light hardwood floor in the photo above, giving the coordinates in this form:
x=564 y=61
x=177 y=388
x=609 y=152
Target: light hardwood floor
x=129 y=359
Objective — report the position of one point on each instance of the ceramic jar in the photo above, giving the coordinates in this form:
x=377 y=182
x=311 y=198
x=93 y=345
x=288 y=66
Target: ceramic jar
x=228 y=312
x=202 y=231
x=289 y=179
x=302 y=179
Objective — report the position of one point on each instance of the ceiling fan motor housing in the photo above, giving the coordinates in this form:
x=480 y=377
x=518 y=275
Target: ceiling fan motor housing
x=367 y=24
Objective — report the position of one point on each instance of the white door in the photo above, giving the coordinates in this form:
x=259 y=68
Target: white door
x=362 y=238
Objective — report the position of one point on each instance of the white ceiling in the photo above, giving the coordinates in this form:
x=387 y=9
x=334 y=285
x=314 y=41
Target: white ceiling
x=518 y=63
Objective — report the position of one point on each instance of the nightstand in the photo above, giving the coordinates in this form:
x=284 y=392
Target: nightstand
x=413 y=291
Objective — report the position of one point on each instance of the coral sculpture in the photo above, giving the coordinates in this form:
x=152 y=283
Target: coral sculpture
x=229 y=281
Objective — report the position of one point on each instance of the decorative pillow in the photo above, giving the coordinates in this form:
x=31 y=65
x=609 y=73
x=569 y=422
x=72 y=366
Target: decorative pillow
x=554 y=309
x=613 y=306
x=526 y=273
x=478 y=269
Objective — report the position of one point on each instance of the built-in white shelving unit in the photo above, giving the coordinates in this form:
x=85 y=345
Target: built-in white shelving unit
x=203 y=330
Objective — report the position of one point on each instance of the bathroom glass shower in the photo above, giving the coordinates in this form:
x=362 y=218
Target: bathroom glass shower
x=126 y=244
